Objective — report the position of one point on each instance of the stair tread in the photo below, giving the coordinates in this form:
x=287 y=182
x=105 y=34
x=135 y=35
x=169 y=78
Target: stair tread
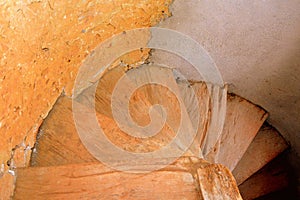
x=59 y=143
x=243 y=107
x=132 y=93
x=273 y=177
x=267 y=144
x=95 y=181
x=186 y=178
x=242 y=123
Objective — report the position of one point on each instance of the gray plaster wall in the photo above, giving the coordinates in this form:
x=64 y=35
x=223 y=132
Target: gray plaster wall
x=256 y=46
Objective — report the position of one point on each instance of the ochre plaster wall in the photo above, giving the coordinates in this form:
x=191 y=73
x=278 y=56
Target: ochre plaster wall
x=42 y=44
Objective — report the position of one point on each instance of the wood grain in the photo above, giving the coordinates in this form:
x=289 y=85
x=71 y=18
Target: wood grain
x=242 y=123
x=95 y=181
x=102 y=92
x=59 y=144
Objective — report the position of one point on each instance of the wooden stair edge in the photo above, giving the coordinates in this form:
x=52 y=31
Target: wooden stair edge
x=242 y=123
x=187 y=178
x=92 y=181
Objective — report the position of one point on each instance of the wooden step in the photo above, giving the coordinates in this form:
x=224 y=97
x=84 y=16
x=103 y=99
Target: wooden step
x=94 y=181
x=242 y=123
x=273 y=177
x=267 y=144
x=59 y=144
x=6 y=185
x=183 y=179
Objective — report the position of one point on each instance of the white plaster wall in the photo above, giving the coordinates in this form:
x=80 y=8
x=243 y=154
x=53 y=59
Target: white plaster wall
x=256 y=46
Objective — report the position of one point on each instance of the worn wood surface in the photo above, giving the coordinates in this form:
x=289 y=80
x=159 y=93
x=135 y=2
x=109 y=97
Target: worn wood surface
x=217 y=109
x=95 y=181
x=267 y=144
x=158 y=90
x=242 y=123
x=217 y=182
x=271 y=178
x=100 y=97
x=186 y=178
x=59 y=143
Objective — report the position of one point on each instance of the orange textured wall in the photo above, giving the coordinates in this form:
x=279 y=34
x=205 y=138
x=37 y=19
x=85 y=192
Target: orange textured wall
x=42 y=44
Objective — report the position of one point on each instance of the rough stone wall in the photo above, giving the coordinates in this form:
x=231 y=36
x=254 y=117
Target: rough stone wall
x=42 y=44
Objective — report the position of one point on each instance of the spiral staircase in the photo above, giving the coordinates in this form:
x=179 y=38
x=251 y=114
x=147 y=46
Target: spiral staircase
x=241 y=160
